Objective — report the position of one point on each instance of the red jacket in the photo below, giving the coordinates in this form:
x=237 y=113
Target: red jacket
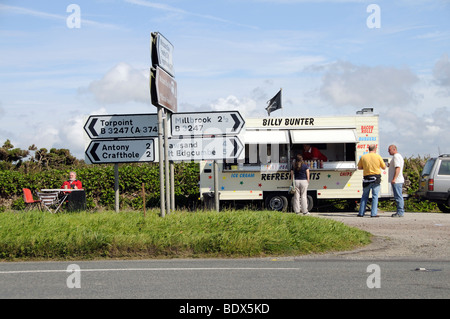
x=72 y=184
x=314 y=153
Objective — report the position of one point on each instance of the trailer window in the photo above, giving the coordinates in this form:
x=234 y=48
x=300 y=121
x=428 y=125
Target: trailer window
x=263 y=147
x=333 y=151
x=261 y=154
x=337 y=145
x=257 y=155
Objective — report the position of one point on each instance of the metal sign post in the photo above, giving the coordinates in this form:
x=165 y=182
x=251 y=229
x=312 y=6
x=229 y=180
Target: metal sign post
x=163 y=93
x=116 y=186
x=161 y=160
x=166 y=163
x=216 y=186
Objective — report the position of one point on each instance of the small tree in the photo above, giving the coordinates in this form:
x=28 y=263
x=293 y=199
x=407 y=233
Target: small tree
x=56 y=158
x=10 y=156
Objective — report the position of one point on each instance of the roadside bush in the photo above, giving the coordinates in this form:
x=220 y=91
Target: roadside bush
x=98 y=181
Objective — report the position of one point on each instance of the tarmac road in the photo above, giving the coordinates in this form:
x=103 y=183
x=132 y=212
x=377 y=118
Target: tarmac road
x=408 y=259
x=423 y=236
x=266 y=278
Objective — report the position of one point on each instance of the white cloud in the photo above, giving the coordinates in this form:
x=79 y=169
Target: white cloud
x=121 y=84
x=441 y=73
x=346 y=84
x=414 y=133
x=246 y=106
x=72 y=137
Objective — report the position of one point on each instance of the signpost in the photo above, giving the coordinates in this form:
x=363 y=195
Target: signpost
x=119 y=138
x=206 y=123
x=163 y=93
x=121 y=151
x=224 y=126
x=122 y=126
x=130 y=138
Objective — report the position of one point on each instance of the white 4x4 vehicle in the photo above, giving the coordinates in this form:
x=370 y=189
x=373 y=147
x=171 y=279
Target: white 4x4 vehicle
x=435 y=182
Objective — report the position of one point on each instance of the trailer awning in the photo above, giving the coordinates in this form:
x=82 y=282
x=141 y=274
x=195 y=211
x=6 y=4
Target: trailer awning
x=324 y=136
x=265 y=137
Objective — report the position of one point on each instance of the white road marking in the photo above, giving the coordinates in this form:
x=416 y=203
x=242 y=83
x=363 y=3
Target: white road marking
x=131 y=269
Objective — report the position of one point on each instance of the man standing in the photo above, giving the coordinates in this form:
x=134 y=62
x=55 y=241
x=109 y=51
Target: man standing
x=396 y=178
x=371 y=164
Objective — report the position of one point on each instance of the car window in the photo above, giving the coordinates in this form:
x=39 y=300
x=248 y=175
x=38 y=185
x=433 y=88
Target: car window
x=445 y=168
x=428 y=166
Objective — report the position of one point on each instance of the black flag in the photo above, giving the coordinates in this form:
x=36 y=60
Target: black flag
x=274 y=103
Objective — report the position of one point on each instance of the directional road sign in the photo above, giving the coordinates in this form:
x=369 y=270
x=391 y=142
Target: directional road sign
x=122 y=126
x=121 y=151
x=218 y=148
x=206 y=123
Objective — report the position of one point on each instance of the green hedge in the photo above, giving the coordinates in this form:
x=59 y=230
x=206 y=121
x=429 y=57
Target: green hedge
x=98 y=181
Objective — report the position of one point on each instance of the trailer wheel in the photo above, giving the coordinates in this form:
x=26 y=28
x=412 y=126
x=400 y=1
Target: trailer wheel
x=277 y=202
x=310 y=203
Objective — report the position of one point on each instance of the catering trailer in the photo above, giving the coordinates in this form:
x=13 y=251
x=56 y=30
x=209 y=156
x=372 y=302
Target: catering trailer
x=262 y=172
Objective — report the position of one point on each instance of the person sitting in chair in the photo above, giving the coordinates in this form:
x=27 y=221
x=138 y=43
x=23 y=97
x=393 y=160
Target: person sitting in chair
x=72 y=183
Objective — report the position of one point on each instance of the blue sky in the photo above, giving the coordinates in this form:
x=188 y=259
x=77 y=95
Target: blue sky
x=229 y=54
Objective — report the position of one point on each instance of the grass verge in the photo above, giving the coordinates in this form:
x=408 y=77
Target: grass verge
x=37 y=236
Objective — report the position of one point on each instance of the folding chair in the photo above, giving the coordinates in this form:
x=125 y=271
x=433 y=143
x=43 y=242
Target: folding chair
x=29 y=200
x=52 y=201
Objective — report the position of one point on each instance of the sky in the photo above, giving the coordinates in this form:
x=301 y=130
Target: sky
x=61 y=61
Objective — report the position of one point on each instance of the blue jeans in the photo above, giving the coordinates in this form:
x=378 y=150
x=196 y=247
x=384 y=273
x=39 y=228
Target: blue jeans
x=397 y=190
x=365 y=197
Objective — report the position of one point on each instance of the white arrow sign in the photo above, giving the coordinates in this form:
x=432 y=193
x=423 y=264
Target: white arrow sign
x=122 y=151
x=206 y=123
x=122 y=126
x=219 y=148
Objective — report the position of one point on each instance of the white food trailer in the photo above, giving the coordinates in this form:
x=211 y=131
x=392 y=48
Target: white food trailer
x=263 y=172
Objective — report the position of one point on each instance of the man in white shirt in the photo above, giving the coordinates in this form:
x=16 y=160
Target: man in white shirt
x=396 y=178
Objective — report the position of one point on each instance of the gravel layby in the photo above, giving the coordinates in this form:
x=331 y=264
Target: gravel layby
x=414 y=236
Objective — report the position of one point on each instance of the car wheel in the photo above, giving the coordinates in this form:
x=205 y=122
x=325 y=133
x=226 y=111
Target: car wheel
x=445 y=208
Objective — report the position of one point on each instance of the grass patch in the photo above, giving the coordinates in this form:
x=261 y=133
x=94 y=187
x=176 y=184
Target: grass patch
x=36 y=235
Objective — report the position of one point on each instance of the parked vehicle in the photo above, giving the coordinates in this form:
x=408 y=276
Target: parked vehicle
x=435 y=182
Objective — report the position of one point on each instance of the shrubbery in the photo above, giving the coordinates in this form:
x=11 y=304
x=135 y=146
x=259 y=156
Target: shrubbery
x=98 y=181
